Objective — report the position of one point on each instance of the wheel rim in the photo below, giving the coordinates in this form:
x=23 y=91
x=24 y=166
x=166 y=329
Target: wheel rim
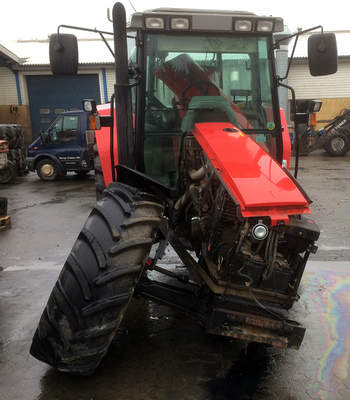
x=337 y=144
x=47 y=170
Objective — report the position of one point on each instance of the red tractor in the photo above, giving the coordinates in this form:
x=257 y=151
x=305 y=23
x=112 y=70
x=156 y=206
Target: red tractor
x=193 y=152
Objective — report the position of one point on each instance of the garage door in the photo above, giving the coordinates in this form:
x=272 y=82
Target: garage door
x=51 y=95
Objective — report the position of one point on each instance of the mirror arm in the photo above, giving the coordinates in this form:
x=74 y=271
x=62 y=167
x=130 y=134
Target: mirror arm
x=290 y=59
x=79 y=28
x=296 y=34
x=107 y=44
x=293 y=112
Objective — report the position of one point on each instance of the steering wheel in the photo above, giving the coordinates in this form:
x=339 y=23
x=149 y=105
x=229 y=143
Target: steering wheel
x=203 y=88
x=163 y=117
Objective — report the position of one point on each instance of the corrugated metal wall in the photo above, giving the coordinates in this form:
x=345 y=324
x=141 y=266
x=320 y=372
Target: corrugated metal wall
x=8 y=91
x=310 y=87
x=110 y=79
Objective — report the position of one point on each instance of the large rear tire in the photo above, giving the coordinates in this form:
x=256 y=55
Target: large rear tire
x=97 y=281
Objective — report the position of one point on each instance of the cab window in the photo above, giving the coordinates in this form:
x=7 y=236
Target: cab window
x=64 y=129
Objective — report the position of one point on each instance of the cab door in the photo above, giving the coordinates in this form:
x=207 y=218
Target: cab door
x=65 y=142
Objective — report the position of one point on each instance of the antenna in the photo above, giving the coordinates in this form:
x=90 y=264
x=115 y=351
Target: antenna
x=109 y=15
x=130 y=2
x=109 y=11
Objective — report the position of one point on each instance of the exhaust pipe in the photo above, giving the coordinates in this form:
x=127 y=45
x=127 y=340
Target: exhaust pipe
x=122 y=90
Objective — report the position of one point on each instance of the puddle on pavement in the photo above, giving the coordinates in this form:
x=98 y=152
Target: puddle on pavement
x=163 y=354
x=159 y=353
x=245 y=378
x=56 y=200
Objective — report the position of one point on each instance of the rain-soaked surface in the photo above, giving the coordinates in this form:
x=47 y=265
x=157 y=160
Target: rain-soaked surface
x=160 y=353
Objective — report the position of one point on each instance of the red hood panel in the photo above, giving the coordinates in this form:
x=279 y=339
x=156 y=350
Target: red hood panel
x=254 y=178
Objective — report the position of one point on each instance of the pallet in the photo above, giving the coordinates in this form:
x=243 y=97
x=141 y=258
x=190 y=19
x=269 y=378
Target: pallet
x=5 y=222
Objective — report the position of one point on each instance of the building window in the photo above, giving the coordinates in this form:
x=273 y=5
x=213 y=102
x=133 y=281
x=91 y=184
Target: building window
x=45 y=120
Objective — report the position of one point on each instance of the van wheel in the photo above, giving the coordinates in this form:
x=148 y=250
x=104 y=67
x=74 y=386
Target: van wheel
x=47 y=170
x=95 y=286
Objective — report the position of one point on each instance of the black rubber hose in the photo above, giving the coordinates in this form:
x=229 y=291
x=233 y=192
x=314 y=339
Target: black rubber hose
x=255 y=299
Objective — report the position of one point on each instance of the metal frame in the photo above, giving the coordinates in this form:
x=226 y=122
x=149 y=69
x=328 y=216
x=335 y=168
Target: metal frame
x=224 y=315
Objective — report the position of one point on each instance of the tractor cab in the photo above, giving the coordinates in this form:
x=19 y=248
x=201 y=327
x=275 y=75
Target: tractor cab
x=202 y=66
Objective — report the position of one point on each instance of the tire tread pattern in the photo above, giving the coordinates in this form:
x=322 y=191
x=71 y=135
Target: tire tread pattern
x=97 y=281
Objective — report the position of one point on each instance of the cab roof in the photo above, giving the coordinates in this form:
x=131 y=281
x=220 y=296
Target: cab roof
x=202 y=20
x=177 y=11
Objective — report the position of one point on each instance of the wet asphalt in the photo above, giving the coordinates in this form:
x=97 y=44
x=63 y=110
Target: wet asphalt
x=160 y=353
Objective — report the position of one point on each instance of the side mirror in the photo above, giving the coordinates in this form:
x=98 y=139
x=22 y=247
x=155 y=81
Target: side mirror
x=322 y=54
x=63 y=54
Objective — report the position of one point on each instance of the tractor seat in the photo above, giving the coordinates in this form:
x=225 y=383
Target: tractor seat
x=208 y=109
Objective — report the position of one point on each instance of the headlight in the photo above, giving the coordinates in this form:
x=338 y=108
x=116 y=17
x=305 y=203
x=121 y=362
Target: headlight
x=317 y=105
x=154 y=23
x=264 y=26
x=180 y=23
x=260 y=231
x=243 y=25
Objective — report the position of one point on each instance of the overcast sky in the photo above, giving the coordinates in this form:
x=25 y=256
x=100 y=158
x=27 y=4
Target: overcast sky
x=35 y=19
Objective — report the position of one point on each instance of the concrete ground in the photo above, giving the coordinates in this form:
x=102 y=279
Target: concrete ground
x=160 y=353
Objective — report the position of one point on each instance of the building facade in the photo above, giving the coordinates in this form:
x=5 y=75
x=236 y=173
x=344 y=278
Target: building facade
x=32 y=96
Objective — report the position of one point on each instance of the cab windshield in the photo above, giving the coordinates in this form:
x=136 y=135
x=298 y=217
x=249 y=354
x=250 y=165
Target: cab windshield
x=200 y=78
x=235 y=68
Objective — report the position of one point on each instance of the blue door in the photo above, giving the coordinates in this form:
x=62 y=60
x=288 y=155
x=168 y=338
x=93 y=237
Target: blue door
x=50 y=95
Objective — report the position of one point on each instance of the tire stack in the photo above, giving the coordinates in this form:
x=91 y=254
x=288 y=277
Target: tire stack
x=15 y=138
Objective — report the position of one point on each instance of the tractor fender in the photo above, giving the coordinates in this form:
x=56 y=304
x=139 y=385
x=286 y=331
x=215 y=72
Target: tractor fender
x=55 y=159
x=287 y=146
x=103 y=145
